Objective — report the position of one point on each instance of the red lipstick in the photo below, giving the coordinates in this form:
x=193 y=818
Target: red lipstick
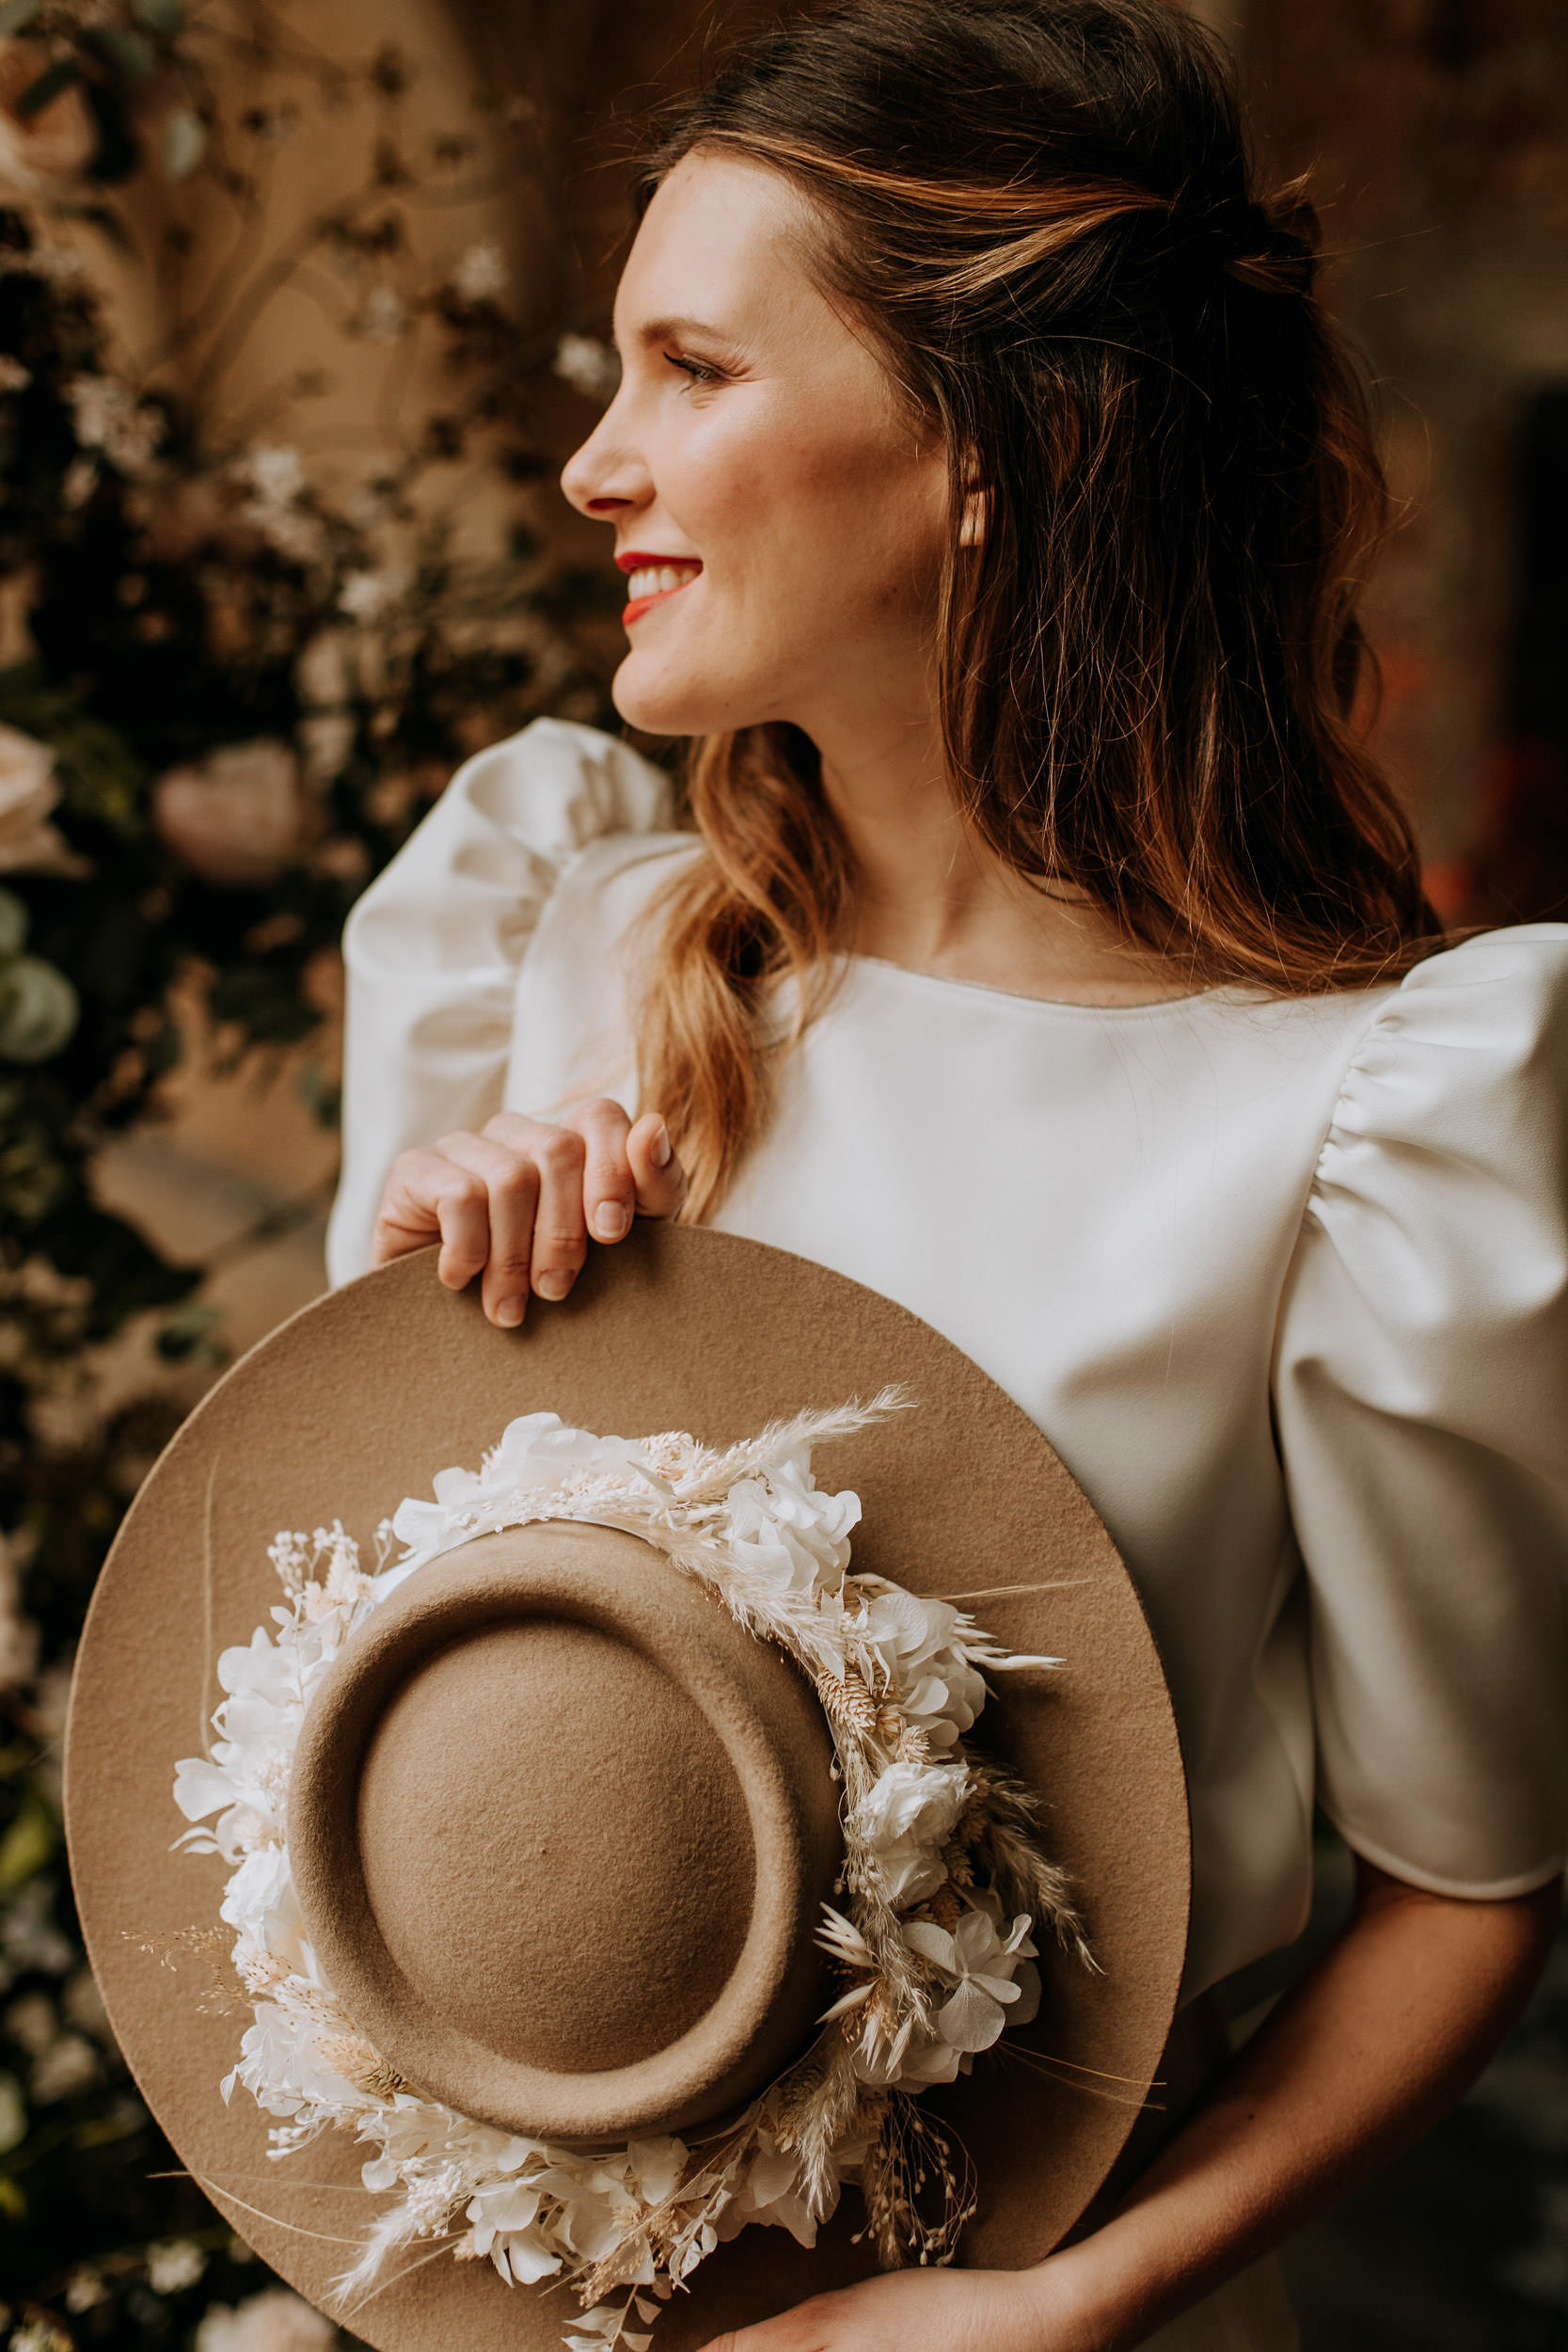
x=639 y=560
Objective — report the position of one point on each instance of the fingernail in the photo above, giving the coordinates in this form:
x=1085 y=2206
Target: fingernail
x=553 y=1285
x=659 y=1150
x=509 y=1312
x=611 y=1220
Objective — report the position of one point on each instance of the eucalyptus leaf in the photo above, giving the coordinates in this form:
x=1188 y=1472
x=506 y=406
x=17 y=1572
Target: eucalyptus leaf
x=185 y=143
x=39 y=1010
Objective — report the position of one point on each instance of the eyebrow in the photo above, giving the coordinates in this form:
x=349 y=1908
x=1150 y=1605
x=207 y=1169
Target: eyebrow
x=660 y=331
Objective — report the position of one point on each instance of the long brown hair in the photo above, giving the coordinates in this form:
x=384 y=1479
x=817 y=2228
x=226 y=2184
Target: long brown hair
x=1044 y=212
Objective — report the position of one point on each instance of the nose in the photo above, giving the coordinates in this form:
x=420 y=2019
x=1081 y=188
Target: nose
x=605 y=476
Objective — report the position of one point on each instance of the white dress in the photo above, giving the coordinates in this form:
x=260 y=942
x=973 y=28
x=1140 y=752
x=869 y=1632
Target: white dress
x=1284 y=1283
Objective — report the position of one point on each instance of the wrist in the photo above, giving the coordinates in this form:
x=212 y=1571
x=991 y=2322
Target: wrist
x=1087 y=2298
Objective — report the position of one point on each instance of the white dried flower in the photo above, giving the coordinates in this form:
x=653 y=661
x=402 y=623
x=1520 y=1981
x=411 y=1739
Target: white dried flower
x=589 y=366
x=481 y=273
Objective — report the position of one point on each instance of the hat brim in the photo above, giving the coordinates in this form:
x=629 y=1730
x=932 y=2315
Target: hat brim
x=358 y=1401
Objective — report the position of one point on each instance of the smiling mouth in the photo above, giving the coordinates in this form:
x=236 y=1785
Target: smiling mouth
x=652 y=583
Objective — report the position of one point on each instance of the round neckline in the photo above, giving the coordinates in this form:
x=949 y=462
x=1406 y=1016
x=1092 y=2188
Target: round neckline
x=1144 y=1007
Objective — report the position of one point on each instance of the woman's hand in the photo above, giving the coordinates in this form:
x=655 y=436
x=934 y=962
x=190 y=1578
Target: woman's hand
x=929 y=2310
x=520 y=1200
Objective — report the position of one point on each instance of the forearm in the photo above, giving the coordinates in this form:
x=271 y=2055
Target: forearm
x=1375 y=2043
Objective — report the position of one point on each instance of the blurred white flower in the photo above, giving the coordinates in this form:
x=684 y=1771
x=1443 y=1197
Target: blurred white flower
x=589 y=366
x=83 y=2004
x=481 y=273
x=81 y=478
x=39 y=2336
x=326 y=740
x=85 y=2291
x=274 y=2321
x=19 y=1635
x=383 y=316
x=15 y=378
x=30 y=2023
x=29 y=844
x=238 y=816
x=28 y=1937
x=67 y=2066
x=322 y=671
x=109 y=416
x=274 y=476
x=366 y=596
x=174 y=2266
x=46 y=152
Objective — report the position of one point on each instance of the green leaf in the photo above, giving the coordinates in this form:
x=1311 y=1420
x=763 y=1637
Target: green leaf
x=14 y=14
x=49 y=85
x=28 y=1845
x=165 y=16
x=185 y=143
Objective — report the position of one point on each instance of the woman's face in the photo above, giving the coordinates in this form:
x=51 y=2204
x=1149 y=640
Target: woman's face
x=780 y=521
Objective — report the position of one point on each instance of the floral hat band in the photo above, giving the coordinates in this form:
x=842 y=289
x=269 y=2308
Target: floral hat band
x=600 y=1856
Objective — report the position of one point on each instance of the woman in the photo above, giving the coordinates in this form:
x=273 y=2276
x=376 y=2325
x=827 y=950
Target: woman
x=1050 y=954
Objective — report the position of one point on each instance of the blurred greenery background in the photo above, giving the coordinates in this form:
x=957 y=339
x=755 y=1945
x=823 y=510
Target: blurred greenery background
x=300 y=311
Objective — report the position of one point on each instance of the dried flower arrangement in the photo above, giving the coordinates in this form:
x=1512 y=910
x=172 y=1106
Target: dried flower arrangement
x=943 y=1885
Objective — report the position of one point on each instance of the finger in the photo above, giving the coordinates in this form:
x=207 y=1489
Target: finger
x=609 y=1190
x=429 y=1195
x=657 y=1174
x=511 y=1183
x=560 y=1240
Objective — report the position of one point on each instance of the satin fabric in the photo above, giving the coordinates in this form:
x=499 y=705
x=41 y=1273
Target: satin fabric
x=1285 y=1281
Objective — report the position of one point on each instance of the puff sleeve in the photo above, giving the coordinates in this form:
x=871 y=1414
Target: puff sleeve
x=434 y=947
x=1422 y=1395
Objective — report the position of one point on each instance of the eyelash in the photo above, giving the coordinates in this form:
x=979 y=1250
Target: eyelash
x=698 y=370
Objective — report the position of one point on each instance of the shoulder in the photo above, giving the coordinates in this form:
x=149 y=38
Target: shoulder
x=1466 y=1061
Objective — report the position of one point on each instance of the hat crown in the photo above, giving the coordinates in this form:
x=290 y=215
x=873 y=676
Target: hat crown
x=561 y=1832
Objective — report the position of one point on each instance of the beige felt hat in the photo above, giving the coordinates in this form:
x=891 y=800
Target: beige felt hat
x=560 y=1828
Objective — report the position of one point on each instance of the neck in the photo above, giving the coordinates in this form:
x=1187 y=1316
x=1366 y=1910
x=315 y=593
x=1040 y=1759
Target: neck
x=929 y=896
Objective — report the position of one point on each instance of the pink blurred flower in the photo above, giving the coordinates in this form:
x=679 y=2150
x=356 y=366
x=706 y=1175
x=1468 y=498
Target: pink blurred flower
x=239 y=816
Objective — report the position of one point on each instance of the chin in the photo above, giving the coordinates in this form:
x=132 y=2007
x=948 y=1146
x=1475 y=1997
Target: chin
x=659 y=699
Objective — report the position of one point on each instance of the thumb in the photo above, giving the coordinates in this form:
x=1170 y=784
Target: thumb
x=659 y=1178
